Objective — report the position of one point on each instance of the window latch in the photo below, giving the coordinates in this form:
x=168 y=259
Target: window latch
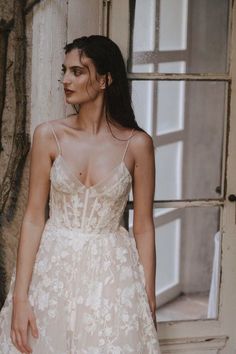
x=232 y=198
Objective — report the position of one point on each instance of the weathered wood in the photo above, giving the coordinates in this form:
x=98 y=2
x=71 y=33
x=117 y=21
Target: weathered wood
x=5 y=28
x=30 y=5
x=12 y=18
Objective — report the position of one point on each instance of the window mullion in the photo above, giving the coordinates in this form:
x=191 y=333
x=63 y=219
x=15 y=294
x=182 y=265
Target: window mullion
x=184 y=203
x=178 y=77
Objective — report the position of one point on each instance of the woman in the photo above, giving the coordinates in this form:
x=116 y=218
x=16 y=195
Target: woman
x=82 y=284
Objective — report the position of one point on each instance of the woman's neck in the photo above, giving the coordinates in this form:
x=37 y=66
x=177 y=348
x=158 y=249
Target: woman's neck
x=92 y=117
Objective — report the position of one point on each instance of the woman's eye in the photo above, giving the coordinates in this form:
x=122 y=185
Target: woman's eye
x=76 y=72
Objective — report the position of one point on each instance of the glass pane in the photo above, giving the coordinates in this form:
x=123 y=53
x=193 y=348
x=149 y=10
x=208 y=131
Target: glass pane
x=169 y=167
x=168 y=234
x=193 y=32
x=173 y=24
x=144 y=31
x=186 y=120
x=142 y=98
x=188 y=256
x=170 y=106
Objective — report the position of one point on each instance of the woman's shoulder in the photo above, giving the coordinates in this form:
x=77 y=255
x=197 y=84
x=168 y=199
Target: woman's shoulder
x=138 y=137
x=141 y=140
x=140 y=143
x=43 y=128
x=43 y=134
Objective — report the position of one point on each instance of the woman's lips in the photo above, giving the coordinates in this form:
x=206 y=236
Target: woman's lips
x=68 y=92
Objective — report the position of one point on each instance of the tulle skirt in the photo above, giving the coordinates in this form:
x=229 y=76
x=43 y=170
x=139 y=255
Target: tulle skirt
x=88 y=295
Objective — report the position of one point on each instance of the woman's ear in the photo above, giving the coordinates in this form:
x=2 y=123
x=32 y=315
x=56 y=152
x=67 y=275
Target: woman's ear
x=106 y=81
x=109 y=79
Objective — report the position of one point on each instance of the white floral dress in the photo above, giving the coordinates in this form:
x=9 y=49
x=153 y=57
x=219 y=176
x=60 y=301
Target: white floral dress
x=88 y=287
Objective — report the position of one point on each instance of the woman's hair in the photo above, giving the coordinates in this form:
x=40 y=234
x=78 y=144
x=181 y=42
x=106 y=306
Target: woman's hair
x=107 y=58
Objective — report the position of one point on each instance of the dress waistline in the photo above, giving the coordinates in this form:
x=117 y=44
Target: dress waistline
x=60 y=227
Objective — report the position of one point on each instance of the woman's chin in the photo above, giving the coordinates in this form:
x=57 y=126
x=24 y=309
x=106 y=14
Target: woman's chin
x=70 y=100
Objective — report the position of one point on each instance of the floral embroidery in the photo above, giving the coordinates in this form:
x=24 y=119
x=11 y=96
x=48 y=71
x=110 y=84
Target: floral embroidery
x=88 y=285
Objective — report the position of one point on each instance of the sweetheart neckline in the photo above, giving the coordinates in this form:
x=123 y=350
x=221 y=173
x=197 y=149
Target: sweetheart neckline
x=99 y=182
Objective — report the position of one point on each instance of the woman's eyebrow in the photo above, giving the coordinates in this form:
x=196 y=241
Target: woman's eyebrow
x=73 y=67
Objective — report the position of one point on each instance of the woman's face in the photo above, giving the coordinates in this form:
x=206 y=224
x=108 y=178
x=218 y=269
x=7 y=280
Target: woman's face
x=81 y=78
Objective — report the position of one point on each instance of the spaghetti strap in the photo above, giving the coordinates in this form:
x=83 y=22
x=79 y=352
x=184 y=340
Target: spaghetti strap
x=55 y=136
x=126 y=147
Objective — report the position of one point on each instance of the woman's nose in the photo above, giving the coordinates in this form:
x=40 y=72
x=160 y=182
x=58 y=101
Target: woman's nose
x=66 y=78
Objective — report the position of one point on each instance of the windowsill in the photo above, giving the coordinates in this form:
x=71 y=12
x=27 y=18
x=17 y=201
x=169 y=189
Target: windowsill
x=184 y=307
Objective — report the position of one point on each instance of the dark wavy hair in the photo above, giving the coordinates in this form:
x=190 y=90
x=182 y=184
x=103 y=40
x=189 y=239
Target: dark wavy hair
x=107 y=58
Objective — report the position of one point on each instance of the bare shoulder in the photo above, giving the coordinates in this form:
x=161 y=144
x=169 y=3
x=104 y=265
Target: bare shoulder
x=141 y=143
x=61 y=124
x=43 y=138
x=43 y=129
x=60 y=121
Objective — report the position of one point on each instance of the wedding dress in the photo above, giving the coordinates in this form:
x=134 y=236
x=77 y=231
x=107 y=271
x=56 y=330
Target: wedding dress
x=88 y=287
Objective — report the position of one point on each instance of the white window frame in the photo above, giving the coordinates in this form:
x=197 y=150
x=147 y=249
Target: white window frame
x=207 y=336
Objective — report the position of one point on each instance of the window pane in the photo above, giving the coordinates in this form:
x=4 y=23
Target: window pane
x=142 y=98
x=194 y=32
x=144 y=31
x=173 y=24
x=169 y=166
x=170 y=106
x=186 y=121
x=188 y=256
x=168 y=254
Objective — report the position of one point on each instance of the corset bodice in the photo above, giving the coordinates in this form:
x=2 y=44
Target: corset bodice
x=92 y=209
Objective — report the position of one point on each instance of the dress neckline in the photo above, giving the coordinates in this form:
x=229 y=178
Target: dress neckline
x=107 y=177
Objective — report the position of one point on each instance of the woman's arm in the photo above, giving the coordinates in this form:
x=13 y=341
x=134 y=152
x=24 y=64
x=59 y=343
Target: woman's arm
x=30 y=236
x=34 y=217
x=143 y=195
